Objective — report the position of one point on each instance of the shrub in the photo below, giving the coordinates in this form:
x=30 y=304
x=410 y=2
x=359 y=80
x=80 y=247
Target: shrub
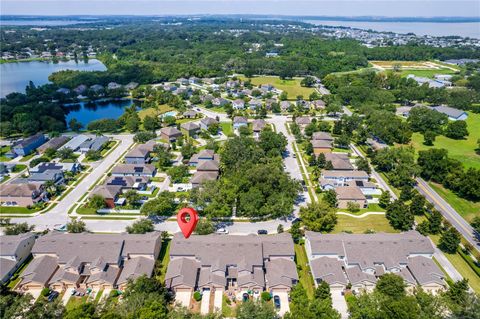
x=45 y=292
x=266 y=296
x=197 y=296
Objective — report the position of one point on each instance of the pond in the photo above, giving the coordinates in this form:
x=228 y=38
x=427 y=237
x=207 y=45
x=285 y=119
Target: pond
x=14 y=77
x=85 y=112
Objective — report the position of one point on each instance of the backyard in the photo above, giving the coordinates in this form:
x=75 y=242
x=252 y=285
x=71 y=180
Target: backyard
x=304 y=274
x=376 y=223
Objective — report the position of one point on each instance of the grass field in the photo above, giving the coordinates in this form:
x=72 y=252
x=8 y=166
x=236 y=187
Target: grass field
x=164 y=258
x=305 y=277
x=462 y=150
x=466 y=208
x=16 y=210
x=154 y=112
x=292 y=87
x=377 y=223
x=419 y=68
x=227 y=128
x=427 y=73
x=3 y=151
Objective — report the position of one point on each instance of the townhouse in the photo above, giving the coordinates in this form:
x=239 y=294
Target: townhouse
x=140 y=154
x=14 y=251
x=232 y=263
x=54 y=143
x=360 y=259
x=96 y=261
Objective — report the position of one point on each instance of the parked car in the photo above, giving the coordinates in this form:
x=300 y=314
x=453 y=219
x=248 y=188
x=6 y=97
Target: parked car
x=276 y=301
x=294 y=155
x=52 y=296
x=222 y=231
x=262 y=232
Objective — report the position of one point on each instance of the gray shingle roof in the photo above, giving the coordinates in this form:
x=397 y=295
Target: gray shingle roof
x=322 y=136
x=349 y=193
x=329 y=270
x=136 y=267
x=425 y=270
x=40 y=270
x=281 y=271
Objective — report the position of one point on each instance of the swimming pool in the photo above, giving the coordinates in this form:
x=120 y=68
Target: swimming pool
x=170 y=113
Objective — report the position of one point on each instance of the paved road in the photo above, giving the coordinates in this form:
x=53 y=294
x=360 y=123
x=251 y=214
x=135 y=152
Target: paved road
x=58 y=214
x=449 y=213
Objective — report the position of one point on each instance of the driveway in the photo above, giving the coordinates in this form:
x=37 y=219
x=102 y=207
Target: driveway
x=183 y=298
x=205 y=306
x=35 y=293
x=217 y=301
x=284 y=305
x=339 y=303
x=67 y=295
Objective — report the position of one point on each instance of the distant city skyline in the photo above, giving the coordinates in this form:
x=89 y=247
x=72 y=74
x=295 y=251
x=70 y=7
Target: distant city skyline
x=387 y=8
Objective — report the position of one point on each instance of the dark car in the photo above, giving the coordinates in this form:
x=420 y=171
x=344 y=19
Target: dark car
x=52 y=296
x=276 y=301
x=262 y=232
x=245 y=297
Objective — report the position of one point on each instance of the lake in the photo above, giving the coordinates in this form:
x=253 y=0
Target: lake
x=14 y=77
x=463 y=29
x=85 y=112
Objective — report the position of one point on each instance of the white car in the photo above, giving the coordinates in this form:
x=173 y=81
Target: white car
x=222 y=231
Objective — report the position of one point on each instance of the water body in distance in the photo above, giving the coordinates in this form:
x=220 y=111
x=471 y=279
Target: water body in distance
x=14 y=77
x=438 y=29
x=86 y=112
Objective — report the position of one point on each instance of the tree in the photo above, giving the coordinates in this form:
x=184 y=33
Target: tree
x=449 y=241
x=132 y=197
x=321 y=160
x=353 y=207
x=143 y=137
x=75 y=125
x=296 y=232
x=273 y=144
x=391 y=285
x=255 y=309
x=330 y=197
x=93 y=155
x=318 y=216
x=151 y=123
x=422 y=119
x=17 y=229
x=323 y=292
x=456 y=130
x=96 y=202
x=163 y=205
x=429 y=138
x=457 y=293
x=76 y=226
x=162 y=155
x=204 y=227
x=141 y=226
x=384 y=199
x=188 y=150
x=65 y=153
x=308 y=81
x=399 y=216
x=435 y=222
x=214 y=128
x=423 y=228
x=280 y=228
x=177 y=173
x=362 y=165
x=476 y=224
x=132 y=123
x=417 y=206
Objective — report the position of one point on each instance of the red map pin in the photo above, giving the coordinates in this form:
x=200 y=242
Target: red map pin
x=187 y=225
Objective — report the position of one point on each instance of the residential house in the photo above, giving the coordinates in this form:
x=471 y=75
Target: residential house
x=28 y=145
x=339 y=161
x=97 y=88
x=110 y=194
x=318 y=104
x=170 y=133
x=23 y=195
x=238 y=104
x=138 y=183
x=239 y=121
x=255 y=104
x=207 y=168
x=75 y=143
x=131 y=86
x=14 y=251
x=219 y=101
x=190 y=114
x=114 y=86
x=360 y=259
x=134 y=170
x=350 y=194
x=376 y=144
x=303 y=121
x=285 y=106
x=453 y=114
x=367 y=188
x=322 y=136
x=203 y=155
x=258 y=126
x=206 y=122
x=94 y=144
x=190 y=129
x=342 y=177
x=63 y=167
x=321 y=146
x=140 y=154
x=54 y=143
x=234 y=263
x=96 y=261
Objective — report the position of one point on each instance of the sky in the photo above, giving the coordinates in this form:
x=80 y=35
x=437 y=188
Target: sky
x=388 y=8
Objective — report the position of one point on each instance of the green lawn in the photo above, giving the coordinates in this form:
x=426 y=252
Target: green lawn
x=154 y=112
x=164 y=258
x=304 y=274
x=7 y=210
x=378 y=223
x=27 y=157
x=75 y=302
x=292 y=87
x=462 y=150
x=427 y=73
x=3 y=151
x=227 y=128
x=466 y=208
x=19 y=167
